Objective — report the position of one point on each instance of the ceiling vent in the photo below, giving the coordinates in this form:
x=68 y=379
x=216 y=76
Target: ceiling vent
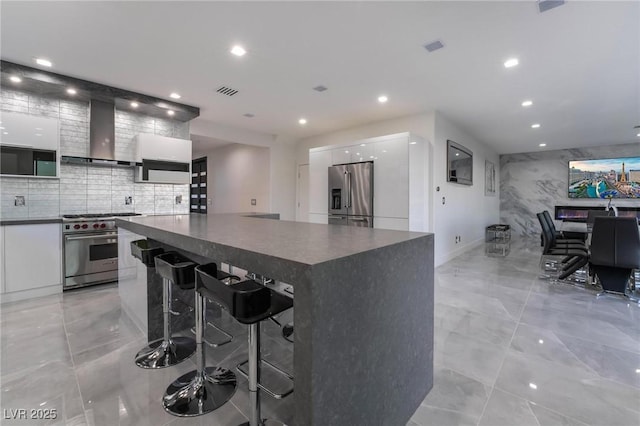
x=433 y=46
x=544 y=5
x=320 y=88
x=249 y=115
x=224 y=90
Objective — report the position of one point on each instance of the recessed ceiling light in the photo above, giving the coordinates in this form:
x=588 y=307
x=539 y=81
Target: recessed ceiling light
x=134 y=104
x=1 y=128
x=170 y=112
x=509 y=63
x=175 y=95
x=5 y=133
x=38 y=134
x=238 y=50
x=413 y=143
x=457 y=154
x=543 y=144
x=363 y=144
x=346 y=152
x=638 y=370
x=533 y=386
x=71 y=91
x=357 y=153
x=527 y=103
x=638 y=135
x=535 y=126
x=541 y=341
x=371 y=156
x=44 y=62
x=382 y=99
x=302 y=121
x=15 y=79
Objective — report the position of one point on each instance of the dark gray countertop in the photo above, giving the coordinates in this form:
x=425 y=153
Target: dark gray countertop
x=300 y=242
x=30 y=220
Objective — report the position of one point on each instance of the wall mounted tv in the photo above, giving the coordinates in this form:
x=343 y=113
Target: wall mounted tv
x=605 y=178
x=459 y=164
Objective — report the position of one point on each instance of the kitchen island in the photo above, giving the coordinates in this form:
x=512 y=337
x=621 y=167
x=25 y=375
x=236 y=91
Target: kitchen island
x=363 y=306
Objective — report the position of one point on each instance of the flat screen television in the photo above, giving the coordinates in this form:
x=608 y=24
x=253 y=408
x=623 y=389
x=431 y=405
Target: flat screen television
x=459 y=164
x=605 y=178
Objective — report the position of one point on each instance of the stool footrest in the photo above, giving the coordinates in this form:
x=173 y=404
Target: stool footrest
x=227 y=339
x=275 y=370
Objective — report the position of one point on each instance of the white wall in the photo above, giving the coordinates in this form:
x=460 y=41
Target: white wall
x=467 y=211
x=281 y=177
x=235 y=174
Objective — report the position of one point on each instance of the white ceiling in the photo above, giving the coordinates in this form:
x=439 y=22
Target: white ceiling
x=579 y=63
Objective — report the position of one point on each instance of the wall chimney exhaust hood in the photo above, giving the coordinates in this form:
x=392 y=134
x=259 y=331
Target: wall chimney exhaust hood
x=103 y=102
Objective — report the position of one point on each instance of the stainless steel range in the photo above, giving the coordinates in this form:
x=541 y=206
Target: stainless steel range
x=90 y=249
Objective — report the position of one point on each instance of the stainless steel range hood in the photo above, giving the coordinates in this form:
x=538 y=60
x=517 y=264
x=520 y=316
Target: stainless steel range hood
x=102 y=147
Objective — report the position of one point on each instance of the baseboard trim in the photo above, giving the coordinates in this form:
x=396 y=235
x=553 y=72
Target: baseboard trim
x=458 y=251
x=15 y=296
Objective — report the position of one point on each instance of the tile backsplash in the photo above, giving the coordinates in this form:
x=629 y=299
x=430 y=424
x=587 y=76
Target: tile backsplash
x=89 y=189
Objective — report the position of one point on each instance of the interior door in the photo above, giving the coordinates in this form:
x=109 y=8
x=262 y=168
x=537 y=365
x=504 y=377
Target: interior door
x=198 y=197
x=303 y=193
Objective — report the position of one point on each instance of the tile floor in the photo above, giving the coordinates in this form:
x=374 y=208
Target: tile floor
x=510 y=349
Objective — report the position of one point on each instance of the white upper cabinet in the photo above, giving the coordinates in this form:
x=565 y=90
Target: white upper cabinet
x=29 y=131
x=363 y=151
x=319 y=163
x=391 y=178
x=341 y=155
x=162 y=148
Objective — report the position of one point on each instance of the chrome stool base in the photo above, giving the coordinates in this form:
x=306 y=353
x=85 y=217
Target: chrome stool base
x=194 y=394
x=265 y=422
x=162 y=354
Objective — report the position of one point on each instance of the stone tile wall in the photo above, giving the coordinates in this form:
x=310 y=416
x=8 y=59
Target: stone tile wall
x=89 y=189
x=536 y=181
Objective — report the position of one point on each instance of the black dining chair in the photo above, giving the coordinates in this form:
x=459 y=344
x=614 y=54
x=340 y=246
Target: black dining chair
x=575 y=252
x=615 y=251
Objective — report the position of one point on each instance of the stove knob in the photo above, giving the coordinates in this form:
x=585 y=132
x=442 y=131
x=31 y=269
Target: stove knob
x=103 y=225
x=95 y=225
x=85 y=226
x=76 y=226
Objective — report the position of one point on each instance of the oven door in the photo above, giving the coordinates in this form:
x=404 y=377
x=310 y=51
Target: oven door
x=88 y=254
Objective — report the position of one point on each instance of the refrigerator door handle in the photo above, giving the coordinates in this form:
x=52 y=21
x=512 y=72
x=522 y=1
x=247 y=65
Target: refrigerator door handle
x=348 y=189
x=359 y=219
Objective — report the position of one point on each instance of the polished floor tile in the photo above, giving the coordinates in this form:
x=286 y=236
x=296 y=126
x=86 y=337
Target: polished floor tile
x=510 y=349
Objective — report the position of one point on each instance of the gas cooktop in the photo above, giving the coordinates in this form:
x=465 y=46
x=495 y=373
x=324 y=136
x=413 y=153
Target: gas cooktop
x=97 y=215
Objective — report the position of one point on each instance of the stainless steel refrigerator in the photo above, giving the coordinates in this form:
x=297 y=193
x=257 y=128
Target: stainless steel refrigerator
x=351 y=194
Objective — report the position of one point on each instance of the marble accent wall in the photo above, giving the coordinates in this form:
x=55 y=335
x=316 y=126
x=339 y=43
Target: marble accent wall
x=536 y=181
x=89 y=189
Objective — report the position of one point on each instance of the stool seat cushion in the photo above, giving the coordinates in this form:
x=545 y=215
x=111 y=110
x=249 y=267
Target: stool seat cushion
x=247 y=301
x=176 y=268
x=143 y=251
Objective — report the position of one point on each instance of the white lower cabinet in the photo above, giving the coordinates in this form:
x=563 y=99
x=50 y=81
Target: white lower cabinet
x=392 y=223
x=32 y=260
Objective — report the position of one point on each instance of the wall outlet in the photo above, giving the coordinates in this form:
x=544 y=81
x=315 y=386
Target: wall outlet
x=178 y=199
x=128 y=200
x=19 y=200
x=253 y=201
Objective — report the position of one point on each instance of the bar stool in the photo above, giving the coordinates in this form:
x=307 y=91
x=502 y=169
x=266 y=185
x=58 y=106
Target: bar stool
x=204 y=389
x=174 y=268
x=249 y=303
